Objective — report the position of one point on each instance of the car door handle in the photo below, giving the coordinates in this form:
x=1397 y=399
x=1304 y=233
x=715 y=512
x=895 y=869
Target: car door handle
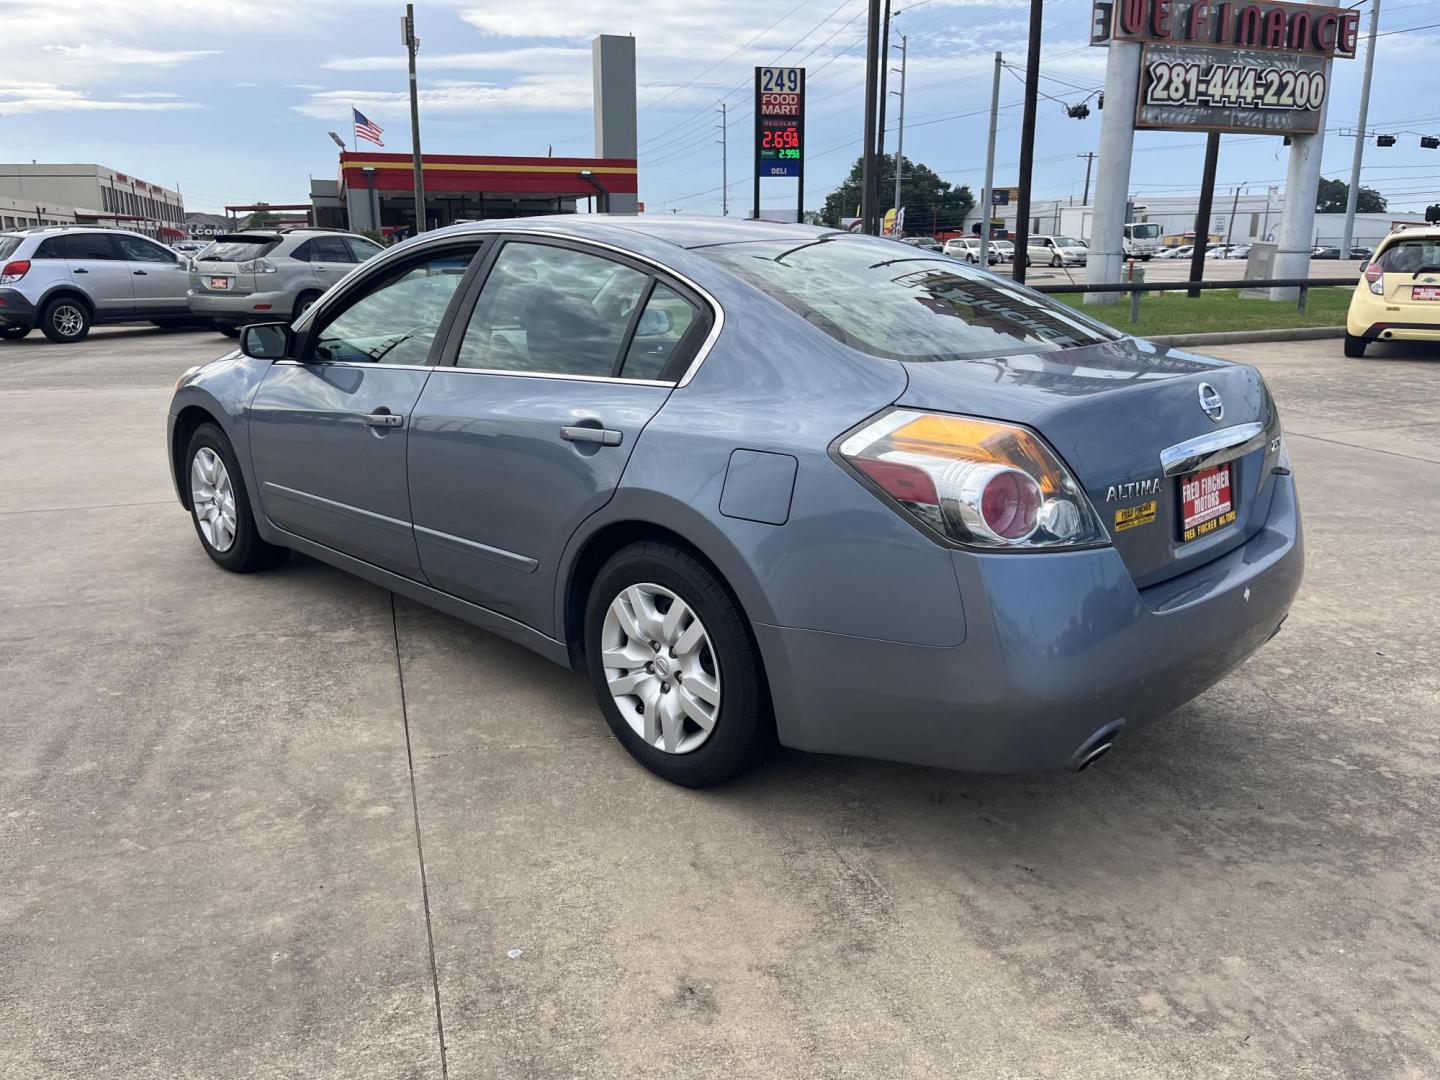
x=141 y=273
x=81 y=270
x=603 y=436
x=384 y=419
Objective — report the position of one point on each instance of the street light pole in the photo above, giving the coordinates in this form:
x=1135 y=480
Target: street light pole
x=1234 y=206
x=1027 y=142
x=412 y=43
x=1354 y=193
x=987 y=197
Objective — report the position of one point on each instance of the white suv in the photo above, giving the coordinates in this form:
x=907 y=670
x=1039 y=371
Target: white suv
x=66 y=278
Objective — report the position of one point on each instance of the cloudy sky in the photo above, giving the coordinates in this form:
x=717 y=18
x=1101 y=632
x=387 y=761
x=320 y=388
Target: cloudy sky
x=232 y=98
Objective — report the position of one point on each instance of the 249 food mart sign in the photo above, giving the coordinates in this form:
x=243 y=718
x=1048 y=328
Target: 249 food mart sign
x=1231 y=67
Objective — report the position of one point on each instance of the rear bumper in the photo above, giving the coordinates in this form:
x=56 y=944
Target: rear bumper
x=16 y=309
x=1058 y=648
x=1396 y=331
x=242 y=307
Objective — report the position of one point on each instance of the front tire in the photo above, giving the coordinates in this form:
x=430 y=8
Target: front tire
x=65 y=320
x=220 y=508
x=1354 y=346
x=303 y=303
x=1057 y=261
x=674 y=667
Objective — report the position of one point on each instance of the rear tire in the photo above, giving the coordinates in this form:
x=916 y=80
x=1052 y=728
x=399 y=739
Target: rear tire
x=13 y=333
x=65 y=320
x=220 y=507
x=228 y=330
x=303 y=303
x=1355 y=346
x=708 y=642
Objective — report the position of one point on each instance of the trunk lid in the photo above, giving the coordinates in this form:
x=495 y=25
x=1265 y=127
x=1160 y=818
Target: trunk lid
x=218 y=269
x=1109 y=410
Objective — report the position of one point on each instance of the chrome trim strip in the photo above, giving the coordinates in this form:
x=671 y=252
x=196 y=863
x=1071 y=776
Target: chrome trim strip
x=1212 y=448
x=484 y=551
x=317 y=501
x=441 y=369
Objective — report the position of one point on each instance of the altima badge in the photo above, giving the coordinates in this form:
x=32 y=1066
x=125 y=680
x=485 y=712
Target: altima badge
x=1136 y=489
x=1211 y=402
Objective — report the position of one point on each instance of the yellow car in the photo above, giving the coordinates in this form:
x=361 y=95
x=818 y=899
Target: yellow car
x=1398 y=297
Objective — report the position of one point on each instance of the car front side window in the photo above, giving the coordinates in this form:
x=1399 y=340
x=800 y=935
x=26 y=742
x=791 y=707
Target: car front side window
x=396 y=320
x=552 y=310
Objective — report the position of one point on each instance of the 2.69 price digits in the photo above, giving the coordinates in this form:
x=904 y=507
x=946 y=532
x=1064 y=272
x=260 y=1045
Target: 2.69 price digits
x=787 y=138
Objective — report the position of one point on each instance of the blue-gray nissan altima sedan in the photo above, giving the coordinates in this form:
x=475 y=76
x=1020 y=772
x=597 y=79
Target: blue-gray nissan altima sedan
x=765 y=483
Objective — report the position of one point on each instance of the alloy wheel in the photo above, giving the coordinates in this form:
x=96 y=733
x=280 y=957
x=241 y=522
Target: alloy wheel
x=213 y=499
x=661 y=668
x=68 y=320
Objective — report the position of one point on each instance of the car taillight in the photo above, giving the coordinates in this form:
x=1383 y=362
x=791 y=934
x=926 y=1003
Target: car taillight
x=1375 y=275
x=975 y=482
x=257 y=266
x=14 y=271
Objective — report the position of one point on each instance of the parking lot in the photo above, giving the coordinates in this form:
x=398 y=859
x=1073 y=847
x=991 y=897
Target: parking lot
x=286 y=825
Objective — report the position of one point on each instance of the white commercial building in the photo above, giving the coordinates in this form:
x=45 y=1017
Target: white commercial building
x=49 y=194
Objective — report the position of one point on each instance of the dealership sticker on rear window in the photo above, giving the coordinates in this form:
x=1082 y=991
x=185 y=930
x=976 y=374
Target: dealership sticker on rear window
x=1127 y=517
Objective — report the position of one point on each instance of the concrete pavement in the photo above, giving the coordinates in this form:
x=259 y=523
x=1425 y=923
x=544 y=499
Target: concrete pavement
x=283 y=825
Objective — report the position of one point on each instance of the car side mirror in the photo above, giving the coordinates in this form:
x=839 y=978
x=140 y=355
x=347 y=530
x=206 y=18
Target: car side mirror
x=1363 y=265
x=654 y=322
x=266 y=341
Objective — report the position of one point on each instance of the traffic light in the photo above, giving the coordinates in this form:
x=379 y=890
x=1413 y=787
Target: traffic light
x=1077 y=112
x=1429 y=142
x=1432 y=214
x=1384 y=140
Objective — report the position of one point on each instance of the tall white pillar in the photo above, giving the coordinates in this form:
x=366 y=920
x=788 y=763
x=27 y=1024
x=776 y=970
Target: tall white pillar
x=1106 y=260
x=1297 y=225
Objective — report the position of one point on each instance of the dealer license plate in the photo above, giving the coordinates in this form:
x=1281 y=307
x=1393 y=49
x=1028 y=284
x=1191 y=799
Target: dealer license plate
x=1207 y=501
x=1425 y=292
x=219 y=283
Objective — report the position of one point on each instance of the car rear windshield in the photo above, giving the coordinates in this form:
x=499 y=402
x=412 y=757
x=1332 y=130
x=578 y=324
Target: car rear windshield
x=8 y=244
x=238 y=248
x=1411 y=256
x=907 y=306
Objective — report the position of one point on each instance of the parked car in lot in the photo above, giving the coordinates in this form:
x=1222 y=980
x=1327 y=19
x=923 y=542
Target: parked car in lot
x=764 y=483
x=928 y=243
x=1398 y=295
x=261 y=274
x=1005 y=249
x=1056 y=251
x=968 y=248
x=65 y=279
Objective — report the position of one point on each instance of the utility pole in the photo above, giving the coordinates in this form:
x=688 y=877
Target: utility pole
x=1089 y=162
x=900 y=134
x=724 y=164
x=867 y=153
x=884 y=100
x=987 y=196
x=412 y=44
x=1234 y=206
x=1202 y=212
x=1354 y=193
x=1027 y=143
x=1265 y=228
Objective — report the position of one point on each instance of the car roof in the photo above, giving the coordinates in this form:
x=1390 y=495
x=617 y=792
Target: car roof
x=682 y=230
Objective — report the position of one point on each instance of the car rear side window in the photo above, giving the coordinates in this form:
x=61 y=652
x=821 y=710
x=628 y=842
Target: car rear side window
x=305 y=252
x=901 y=304
x=667 y=327
x=330 y=249
x=552 y=310
x=8 y=244
x=395 y=320
x=91 y=247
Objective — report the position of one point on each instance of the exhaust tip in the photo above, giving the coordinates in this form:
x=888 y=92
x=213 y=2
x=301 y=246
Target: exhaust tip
x=1096 y=746
x=1094 y=755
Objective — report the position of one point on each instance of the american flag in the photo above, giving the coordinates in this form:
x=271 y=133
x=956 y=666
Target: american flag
x=366 y=128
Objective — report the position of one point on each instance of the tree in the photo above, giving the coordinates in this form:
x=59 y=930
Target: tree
x=931 y=204
x=258 y=219
x=1332 y=194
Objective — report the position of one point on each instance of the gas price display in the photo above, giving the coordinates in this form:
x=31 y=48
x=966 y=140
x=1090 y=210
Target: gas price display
x=779 y=121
